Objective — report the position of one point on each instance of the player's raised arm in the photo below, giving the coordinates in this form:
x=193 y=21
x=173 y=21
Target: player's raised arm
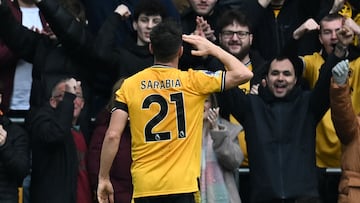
x=237 y=73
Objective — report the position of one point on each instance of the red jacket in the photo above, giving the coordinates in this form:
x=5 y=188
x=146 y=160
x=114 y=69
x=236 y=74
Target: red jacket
x=120 y=172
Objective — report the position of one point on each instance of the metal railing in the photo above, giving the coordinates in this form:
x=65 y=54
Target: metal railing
x=328 y=170
x=241 y=170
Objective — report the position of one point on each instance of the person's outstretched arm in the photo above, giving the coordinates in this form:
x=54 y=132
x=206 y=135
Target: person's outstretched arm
x=119 y=118
x=320 y=100
x=71 y=32
x=236 y=72
x=17 y=38
x=342 y=113
x=105 y=43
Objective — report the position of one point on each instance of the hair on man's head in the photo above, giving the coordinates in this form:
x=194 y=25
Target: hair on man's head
x=229 y=16
x=296 y=61
x=166 y=39
x=54 y=88
x=149 y=8
x=298 y=65
x=329 y=18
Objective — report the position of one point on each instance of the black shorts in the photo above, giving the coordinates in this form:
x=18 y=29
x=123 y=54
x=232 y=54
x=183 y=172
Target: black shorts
x=174 y=198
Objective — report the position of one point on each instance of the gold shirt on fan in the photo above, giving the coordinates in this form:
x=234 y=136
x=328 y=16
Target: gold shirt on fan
x=241 y=137
x=165 y=107
x=328 y=146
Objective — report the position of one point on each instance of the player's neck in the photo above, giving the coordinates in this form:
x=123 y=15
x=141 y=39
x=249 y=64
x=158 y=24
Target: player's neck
x=169 y=64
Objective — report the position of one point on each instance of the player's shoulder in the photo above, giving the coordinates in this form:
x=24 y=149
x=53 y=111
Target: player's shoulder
x=205 y=72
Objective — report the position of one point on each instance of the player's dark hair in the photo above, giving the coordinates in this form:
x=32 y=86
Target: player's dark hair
x=166 y=39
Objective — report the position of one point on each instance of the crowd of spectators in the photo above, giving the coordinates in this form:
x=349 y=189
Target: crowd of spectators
x=46 y=45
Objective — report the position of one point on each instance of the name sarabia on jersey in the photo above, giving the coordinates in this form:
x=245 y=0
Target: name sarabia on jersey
x=162 y=84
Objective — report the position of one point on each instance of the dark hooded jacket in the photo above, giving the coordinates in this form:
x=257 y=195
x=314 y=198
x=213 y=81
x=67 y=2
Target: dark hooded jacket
x=54 y=155
x=14 y=160
x=280 y=137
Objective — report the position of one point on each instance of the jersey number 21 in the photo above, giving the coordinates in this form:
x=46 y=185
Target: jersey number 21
x=176 y=98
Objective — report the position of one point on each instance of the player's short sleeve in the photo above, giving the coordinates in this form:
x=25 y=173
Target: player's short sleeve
x=207 y=81
x=120 y=99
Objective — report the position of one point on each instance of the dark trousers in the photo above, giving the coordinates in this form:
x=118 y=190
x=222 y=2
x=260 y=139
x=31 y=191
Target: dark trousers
x=13 y=200
x=244 y=187
x=297 y=200
x=176 y=198
x=328 y=185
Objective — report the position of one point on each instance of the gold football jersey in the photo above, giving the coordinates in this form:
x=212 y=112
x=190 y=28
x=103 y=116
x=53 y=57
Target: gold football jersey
x=165 y=107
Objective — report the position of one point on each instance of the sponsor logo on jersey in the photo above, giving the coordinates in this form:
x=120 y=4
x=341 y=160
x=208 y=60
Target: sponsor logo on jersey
x=211 y=73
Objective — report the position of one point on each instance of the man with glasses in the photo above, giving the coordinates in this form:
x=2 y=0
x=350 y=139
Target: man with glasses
x=236 y=38
x=58 y=147
x=200 y=18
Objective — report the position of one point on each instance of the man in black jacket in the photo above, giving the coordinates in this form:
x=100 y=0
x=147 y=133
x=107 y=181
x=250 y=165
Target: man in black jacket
x=14 y=157
x=280 y=124
x=58 y=147
x=236 y=37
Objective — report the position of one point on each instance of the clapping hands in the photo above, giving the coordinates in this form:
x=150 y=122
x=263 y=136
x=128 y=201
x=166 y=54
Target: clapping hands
x=204 y=29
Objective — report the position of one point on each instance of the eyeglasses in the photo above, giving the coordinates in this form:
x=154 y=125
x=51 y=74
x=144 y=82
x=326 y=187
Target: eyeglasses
x=239 y=34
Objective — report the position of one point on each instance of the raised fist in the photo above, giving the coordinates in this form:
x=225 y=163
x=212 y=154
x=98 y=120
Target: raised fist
x=340 y=72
